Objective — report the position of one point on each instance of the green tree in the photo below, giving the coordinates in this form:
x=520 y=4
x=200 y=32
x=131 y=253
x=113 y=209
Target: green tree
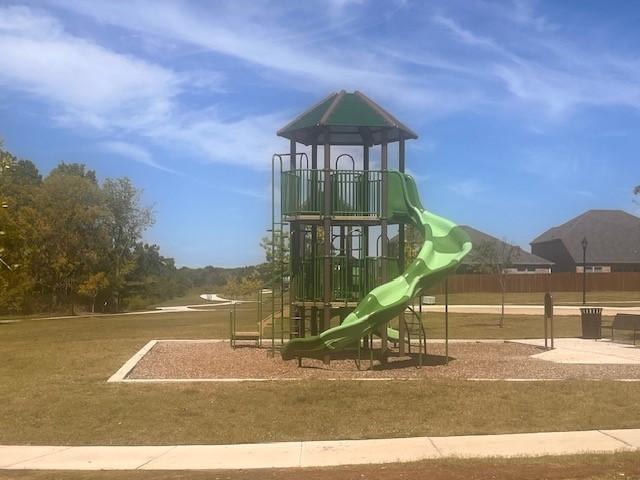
x=494 y=258
x=66 y=236
x=74 y=170
x=7 y=163
x=18 y=181
x=241 y=286
x=128 y=221
x=66 y=231
x=413 y=243
x=92 y=287
x=276 y=252
x=154 y=277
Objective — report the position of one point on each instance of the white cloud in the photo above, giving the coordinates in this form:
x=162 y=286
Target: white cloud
x=553 y=165
x=260 y=194
x=338 y=6
x=524 y=14
x=249 y=141
x=265 y=39
x=559 y=91
x=464 y=35
x=469 y=188
x=135 y=153
x=420 y=178
x=584 y=193
x=453 y=67
x=90 y=83
x=539 y=67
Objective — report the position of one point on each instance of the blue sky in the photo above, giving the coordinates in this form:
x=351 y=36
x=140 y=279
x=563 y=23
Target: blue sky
x=528 y=112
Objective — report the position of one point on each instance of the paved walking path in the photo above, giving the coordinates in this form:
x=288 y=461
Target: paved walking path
x=561 y=310
x=315 y=453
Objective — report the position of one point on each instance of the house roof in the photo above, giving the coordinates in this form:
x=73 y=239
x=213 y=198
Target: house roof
x=346 y=119
x=613 y=236
x=520 y=257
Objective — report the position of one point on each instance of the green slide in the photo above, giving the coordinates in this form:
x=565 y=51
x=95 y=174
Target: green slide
x=445 y=244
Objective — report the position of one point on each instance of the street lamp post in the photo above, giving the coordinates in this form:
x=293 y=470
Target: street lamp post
x=584 y=244
x=4 y=165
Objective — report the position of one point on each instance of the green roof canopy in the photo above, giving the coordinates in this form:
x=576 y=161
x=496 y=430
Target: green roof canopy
x=346 y=119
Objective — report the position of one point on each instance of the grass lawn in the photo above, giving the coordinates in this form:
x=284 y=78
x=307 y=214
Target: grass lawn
x=483 y=325
x=53 y=391
x=622 y=299
x=560 y=298
x=583 y=467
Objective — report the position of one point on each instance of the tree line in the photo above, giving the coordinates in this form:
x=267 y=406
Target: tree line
x=67 y=240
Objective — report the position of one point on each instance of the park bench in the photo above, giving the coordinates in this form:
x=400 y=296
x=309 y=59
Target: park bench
x=624 y=321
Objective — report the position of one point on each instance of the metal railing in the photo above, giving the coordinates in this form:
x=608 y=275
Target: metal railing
x=351 y=278
x=353 y=192
x=302 y=192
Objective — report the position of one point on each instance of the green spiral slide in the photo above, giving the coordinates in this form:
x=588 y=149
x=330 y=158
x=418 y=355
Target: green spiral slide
x=445 y=244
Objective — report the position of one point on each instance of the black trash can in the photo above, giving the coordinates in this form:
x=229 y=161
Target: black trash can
x=591 y=322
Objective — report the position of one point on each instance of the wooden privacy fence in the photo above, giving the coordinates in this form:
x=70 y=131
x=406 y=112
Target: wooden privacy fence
x=541 y=282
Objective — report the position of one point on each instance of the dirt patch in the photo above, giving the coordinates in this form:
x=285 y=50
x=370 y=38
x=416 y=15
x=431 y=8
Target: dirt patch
x=216 y=360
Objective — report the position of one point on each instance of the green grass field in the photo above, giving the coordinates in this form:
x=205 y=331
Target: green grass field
x=54 y=391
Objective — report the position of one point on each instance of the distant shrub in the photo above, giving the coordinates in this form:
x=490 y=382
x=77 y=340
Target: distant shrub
x=137 y=302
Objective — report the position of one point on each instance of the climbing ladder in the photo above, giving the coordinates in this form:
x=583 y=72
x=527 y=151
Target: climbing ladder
x=414 y=328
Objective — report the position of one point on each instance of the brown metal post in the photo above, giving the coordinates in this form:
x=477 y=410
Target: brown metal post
x=314 y=246
x=401 y=247
x=548 y=317
x=327 y=238
x=446 y=321
x=348 y=251
x=365 y=228
x=384 y=239
x=295 y=257
x=547 y=307
x=401 y=239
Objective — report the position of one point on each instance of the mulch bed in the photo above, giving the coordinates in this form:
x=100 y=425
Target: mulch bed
x=217 y=360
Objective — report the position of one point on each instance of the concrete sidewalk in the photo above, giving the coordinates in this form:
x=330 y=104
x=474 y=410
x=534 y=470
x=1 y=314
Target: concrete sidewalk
x=315 y=453
x=585 y=351
x=558 y=310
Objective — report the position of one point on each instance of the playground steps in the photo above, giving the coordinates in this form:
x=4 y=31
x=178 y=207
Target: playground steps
x=414 y=329
x=246 y=335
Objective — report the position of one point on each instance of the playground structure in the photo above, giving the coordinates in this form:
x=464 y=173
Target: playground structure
x=338 y=280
